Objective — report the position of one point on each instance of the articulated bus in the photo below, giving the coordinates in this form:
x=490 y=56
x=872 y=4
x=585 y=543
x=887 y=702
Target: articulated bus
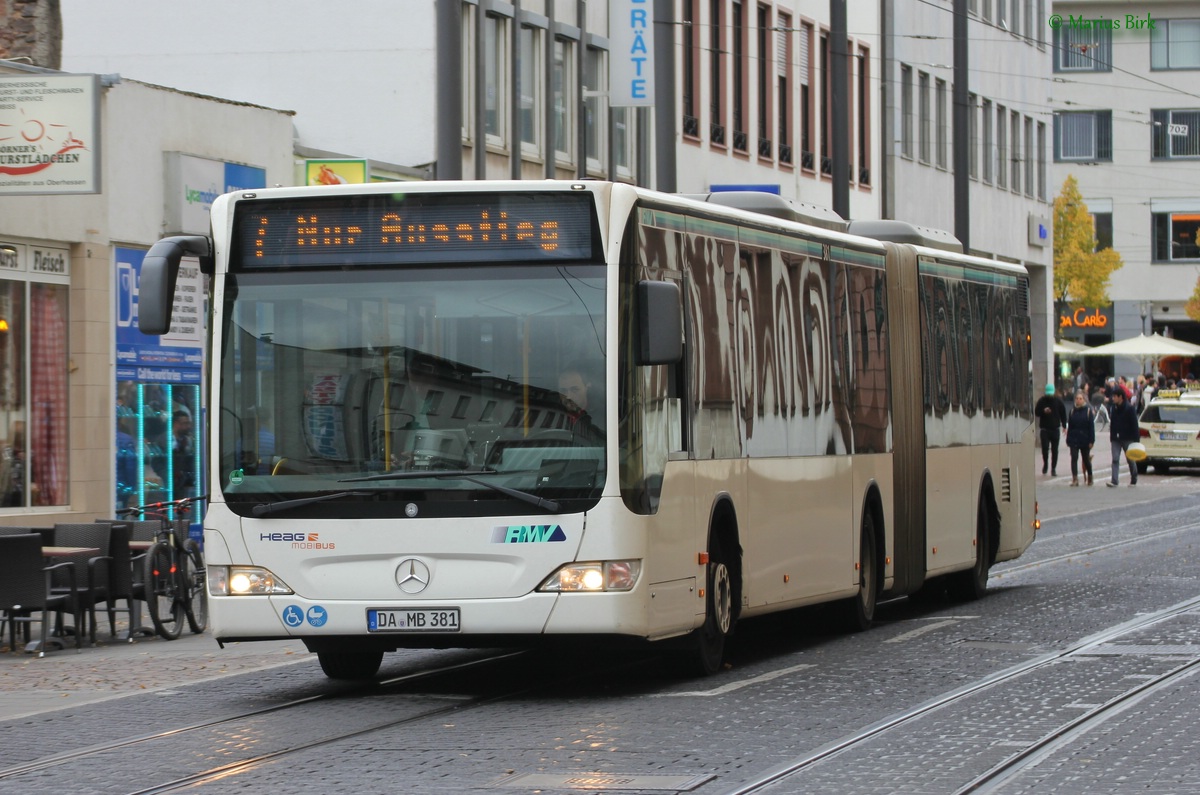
x=767 y=409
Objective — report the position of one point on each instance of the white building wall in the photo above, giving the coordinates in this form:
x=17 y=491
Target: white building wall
x=1133 y=183
x=1008 y=65
x=703 y=163
x=140 y=122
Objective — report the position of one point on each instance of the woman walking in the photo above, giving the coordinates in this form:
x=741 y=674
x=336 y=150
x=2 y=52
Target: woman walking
x=1081 y=435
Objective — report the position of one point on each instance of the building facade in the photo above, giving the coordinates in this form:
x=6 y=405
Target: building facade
x=74 y=373
x=1009 y=196
x=1126 y=125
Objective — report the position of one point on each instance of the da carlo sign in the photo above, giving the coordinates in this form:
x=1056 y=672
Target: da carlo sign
x=1083 y=317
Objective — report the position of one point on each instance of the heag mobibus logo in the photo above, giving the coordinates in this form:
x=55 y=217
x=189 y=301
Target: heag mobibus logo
x=297 y=540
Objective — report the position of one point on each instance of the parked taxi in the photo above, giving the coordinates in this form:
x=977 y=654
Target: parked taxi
x=1169 y=428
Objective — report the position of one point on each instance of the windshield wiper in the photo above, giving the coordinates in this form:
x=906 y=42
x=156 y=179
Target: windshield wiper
x=464 y=474
x=413 y=474
x=265 y=508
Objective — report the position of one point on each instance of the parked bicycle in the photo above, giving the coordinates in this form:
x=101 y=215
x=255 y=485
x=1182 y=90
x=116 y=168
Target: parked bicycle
x=174 y=580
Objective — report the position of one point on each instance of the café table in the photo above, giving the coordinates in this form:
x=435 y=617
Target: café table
x=62 y=552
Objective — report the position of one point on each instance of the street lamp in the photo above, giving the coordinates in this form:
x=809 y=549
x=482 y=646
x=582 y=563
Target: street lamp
x=1146 y=311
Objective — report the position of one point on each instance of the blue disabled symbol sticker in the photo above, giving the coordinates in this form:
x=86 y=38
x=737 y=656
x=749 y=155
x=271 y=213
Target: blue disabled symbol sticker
x=317 y=615
x=293 y=616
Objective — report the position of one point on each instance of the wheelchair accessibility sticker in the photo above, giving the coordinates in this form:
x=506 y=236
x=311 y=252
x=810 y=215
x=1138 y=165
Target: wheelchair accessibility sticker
x=293 y=616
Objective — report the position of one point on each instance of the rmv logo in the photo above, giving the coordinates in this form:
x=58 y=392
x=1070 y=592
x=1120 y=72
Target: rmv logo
x=528 y=534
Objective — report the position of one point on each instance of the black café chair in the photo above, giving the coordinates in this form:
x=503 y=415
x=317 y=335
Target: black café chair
x=126 y=579
x=25 y=588
x=143 y=530
x=92 y=570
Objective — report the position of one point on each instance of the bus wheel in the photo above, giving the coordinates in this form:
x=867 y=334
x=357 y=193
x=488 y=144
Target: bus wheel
x=859 y=610
x=355 y=665
x=971 y=584
x=709 y=650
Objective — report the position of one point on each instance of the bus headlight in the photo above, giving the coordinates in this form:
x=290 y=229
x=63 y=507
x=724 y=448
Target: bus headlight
x=596 y=576
x=244 y=581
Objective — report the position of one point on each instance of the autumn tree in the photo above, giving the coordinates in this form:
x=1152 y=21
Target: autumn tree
x=1081 y=273
x=1192 y=307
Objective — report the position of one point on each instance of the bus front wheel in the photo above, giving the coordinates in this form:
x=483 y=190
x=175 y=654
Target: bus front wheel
x=351 y=665
x=709 y=651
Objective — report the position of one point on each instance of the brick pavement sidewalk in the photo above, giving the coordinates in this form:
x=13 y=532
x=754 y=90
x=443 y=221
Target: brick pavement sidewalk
x=68 y=678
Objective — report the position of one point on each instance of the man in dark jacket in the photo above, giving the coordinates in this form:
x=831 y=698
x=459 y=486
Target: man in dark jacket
x=1122 y=431
x=1052 y=419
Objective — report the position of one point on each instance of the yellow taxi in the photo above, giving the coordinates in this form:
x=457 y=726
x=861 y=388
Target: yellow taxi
x=1169 y=428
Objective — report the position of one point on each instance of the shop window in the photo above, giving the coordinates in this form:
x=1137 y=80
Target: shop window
x=159 y=455
x=34 y=462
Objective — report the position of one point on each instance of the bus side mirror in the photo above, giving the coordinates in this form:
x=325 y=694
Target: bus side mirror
x=660 y=323
x=160 y=269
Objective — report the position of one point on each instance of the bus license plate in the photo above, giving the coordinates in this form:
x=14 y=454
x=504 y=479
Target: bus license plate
x=1168 y=436
x=416 y=619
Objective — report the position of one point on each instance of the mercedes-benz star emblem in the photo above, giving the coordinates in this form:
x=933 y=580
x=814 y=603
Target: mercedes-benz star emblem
x=412 y=575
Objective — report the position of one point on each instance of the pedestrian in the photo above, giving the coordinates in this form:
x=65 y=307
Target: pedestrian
x=183 y=452
x=1122 y=431
x=1081 y=435
x=1100 y=412
x=1052 y=420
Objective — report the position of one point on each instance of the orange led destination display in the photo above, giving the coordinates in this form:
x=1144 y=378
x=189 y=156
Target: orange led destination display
x=383 y=229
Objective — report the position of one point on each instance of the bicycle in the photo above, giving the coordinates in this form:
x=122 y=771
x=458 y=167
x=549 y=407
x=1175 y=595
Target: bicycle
x=174 y=583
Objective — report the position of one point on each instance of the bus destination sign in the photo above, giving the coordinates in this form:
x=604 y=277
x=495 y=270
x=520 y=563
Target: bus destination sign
x=388 y=229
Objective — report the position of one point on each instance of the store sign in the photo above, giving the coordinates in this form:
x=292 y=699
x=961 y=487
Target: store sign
x=48 y=264
x=335 y=172
x=175 y=357
x=194 y=182
x=1039 y=231
x=1083 y=318
x=12 y=257
x=631 y=53
x=49 y=134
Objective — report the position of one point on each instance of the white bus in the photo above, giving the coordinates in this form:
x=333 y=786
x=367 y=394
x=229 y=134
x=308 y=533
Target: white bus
x=764 y=414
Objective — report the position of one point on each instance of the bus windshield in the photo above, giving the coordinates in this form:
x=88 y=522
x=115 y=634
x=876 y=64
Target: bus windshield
x=332 y=377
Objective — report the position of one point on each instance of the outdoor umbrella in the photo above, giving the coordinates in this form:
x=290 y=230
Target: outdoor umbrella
x=1069 y=348
x=1156 y=346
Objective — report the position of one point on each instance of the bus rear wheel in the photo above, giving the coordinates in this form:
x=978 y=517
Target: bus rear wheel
x=858 y=611
x=351 y=665
x=971 y=584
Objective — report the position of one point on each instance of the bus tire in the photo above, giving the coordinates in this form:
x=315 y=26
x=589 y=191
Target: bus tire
x=708 y=653
x=351 y=665
x=858 y=612
x=969 y=585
